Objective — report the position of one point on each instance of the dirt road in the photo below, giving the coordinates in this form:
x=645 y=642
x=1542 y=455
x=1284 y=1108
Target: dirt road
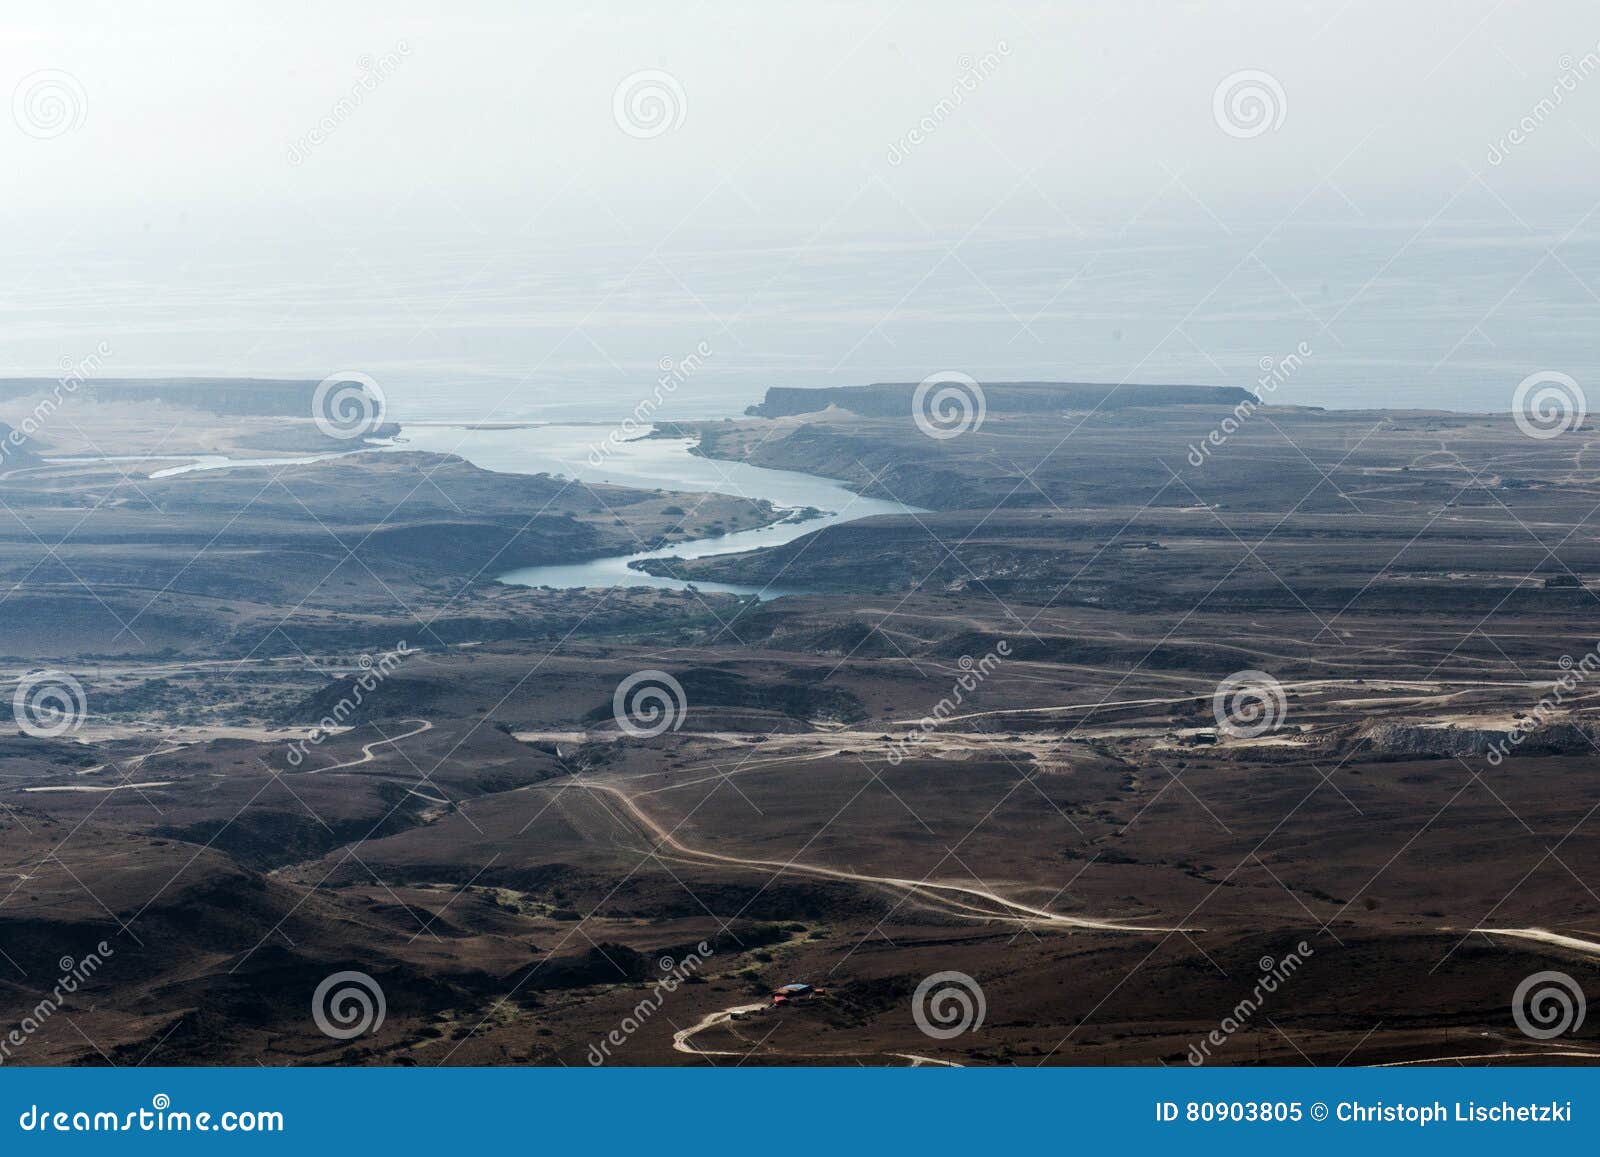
x=953 y=899
x=1543 y=936
x=683 y=1038
x=366 y=748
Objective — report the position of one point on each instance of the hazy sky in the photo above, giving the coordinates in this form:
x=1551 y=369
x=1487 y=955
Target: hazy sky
x=198 y=188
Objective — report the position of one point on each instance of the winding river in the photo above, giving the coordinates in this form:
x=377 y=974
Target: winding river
x=645 y=464
x=648 y=464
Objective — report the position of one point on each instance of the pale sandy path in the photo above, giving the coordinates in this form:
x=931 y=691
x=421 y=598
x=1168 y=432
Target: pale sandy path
x=682 y=1040
x=366 y=748
x=1429 y=686
x=943 y=896
x=1485 y=1057
x=1544 y=936
x=109 y=787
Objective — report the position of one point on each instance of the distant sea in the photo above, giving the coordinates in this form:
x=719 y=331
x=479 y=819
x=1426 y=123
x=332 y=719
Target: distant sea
x=1448 y=314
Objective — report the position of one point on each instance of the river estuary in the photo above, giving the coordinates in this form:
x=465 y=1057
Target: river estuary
x=646 y=463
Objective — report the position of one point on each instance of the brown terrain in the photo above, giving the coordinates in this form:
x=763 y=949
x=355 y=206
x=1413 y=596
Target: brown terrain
x=989 y=742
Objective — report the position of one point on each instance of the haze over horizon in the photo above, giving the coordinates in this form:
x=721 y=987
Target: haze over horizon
x=459 y=204
x=1145 y=624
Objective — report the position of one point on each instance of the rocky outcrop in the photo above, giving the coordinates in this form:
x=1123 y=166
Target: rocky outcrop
x=1415 y=739
x=893 y=399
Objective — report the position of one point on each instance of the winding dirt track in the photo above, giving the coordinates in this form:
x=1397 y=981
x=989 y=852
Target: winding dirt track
x=952 y=899
x=1543 y=936
x=684 y=1037
x=681 y=1038
x=1502 y=1056
x=366 y=748
x=1431 y=687
x=681 y=1041
x=1538 y=936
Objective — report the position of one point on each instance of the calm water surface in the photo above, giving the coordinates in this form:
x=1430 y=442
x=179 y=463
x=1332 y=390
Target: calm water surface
x=649 y=464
